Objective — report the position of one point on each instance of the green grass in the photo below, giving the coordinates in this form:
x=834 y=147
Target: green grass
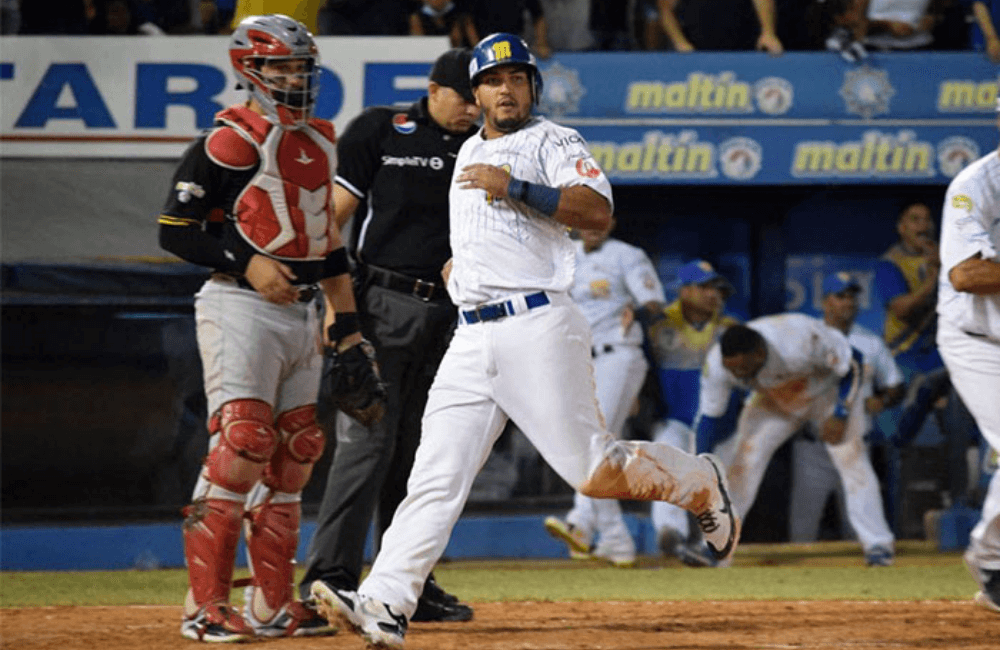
x=831 y=571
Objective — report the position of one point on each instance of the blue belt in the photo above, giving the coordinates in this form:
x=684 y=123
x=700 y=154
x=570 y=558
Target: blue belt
x=500 y=310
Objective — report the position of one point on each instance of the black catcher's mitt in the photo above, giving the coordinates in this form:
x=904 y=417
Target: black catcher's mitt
x=352 y=384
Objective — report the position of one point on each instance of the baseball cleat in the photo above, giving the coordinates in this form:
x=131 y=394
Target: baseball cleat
x=216 y=623
x=617 y=559
x=577 y=539
x=297 y=619
x=373 y=621
x=879 y=556
x=437 y=605
x=691 y=553
x=719 y=524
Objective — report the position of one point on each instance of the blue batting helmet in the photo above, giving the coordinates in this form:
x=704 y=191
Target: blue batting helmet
x=504 y=49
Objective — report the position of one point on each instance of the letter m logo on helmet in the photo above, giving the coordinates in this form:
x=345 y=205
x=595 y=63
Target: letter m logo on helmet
x=504 y=49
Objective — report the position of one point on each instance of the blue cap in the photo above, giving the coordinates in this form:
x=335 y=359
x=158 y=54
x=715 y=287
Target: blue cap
x=701 y=272
x=838 y=282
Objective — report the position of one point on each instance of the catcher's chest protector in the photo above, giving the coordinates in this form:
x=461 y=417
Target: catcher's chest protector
x=285 y=209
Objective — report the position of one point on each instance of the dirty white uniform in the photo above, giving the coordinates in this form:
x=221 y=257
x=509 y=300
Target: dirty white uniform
x=608 y=279
x=814 y=477
x=533 y=365
x=969 y=325
x=798 y=384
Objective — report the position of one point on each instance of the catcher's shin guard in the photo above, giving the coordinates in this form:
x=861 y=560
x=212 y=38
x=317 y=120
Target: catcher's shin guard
x=272 y=539
x=211 y=533
x=247 y=440
x=302 y=443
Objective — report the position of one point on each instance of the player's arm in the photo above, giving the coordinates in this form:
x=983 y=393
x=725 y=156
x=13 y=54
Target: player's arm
x=713 y=399
x=341 y=325
x=183 y=223
x=976 y=275
x=576 y=206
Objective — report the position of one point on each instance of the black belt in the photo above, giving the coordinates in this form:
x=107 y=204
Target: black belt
x=601 y=349
x=307 y=292
x=977 y=335
x=500 y=310
x=416 y=287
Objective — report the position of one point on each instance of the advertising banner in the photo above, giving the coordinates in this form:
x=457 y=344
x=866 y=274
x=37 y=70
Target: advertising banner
x=147 y=97
x=801 y=118
x=649 y=117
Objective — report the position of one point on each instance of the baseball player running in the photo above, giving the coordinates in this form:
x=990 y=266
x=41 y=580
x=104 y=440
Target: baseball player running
x=522 y=349
x=813 y=476
x=968 y=336
x=680 y=336
x=612 y=280
x=800 y=371
x=267 y=168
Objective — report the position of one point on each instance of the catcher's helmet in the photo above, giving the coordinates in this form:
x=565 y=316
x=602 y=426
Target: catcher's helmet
x=504 y=49
x=272 y=39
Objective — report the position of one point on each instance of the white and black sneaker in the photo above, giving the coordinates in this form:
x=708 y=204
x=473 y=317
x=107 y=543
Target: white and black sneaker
x=374 y=621
x=989 y=583
x=719 y=524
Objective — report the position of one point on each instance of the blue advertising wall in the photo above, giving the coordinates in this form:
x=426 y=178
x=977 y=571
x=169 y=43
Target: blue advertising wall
x=802 y=118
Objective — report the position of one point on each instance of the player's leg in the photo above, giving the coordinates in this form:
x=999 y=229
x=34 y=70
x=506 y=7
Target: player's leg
x=460 y=425
x=974 y=366
x=242 y=441
x=619 y=375
x=238 y=387
x=552 y=399
x=814 y=479
x=759 y=433
x=862 y=491
x=272 y=530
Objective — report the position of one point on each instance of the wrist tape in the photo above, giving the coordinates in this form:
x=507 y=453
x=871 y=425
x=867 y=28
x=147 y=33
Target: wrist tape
x=346 y=323
x=543 y=198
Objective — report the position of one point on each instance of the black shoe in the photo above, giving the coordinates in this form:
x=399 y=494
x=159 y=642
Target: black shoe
x=437 y=605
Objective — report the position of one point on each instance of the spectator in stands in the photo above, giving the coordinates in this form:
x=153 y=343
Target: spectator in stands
x=10 y=17
x=609 y=24
x=216 y=15
x=438 y=18
x=720 y=25
x=487 y=17
x=899 y=24
x=983 y=28
x=568 y=24
x=304 y=11
x=368 y=17
x=72 y=17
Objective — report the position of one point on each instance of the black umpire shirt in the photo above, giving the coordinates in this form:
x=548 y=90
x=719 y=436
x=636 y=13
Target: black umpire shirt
x=401 y=163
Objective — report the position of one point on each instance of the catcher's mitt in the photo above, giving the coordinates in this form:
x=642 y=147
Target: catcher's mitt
x=352 y=384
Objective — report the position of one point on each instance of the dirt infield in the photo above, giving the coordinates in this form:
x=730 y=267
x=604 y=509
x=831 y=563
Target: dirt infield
x=821 y=625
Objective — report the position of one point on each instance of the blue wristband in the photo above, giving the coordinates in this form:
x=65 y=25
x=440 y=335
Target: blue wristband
x=543 y=198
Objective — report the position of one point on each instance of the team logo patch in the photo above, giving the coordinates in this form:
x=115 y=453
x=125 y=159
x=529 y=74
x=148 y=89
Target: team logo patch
x=955 y=153
x=867 y=91
x=961 y=202
x=740 y=158
x=774 y=95
x=186 y=190
x=587 y=168
x=403 y=124
x=600 y=288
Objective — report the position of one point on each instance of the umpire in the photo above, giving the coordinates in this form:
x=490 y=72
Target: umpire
x=394 y=172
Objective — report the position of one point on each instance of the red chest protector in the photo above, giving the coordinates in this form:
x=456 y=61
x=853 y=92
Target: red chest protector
x=285 y=210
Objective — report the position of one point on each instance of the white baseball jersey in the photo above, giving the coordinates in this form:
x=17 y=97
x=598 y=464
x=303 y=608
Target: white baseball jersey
x=608 y=279
x=804 y=358
x=880 y=368
x=970 y=226
x=503 y=247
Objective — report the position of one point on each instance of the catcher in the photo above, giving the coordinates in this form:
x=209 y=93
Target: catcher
x=251 y=199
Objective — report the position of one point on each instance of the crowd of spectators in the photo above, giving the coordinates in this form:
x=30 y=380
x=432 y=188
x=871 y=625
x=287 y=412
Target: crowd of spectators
x=851 y=27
